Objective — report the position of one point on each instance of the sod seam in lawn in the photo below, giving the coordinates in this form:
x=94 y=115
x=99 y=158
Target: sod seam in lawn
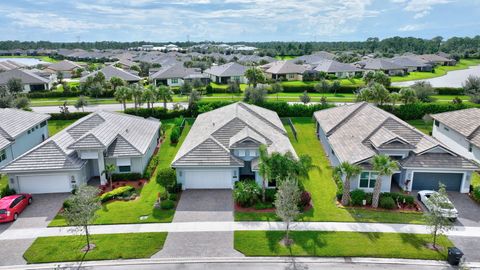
x=340 y=244
x=108 y=247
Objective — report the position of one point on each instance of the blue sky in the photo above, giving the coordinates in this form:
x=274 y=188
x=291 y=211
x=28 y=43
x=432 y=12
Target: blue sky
x=235 y=20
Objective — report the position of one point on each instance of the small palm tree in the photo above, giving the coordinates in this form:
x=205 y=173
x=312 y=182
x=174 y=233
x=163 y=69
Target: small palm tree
x=137 y=92
x=384 y=165
x=264 y=168
x=122 y=95
x=149 y=96
x=348 y=170
x=165 y=94
x=109 y=170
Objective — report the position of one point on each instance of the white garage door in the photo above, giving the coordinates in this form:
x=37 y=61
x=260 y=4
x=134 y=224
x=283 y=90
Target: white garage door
x=54 y=183
x=208 y=179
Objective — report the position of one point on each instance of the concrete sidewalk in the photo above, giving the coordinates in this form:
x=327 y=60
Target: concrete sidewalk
x=28 y=233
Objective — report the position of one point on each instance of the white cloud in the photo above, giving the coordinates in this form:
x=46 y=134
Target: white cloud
x=421 y=8
x=412 y=27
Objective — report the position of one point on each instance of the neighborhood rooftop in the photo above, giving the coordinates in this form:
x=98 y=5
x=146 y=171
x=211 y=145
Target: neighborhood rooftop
x=227 y=70
x=111 y=71
x=27 y=77
x=14 y=122
x=465 y=122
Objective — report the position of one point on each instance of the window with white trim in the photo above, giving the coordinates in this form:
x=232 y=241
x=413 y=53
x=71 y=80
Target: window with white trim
x=3 y=155
x=174 y=80
x=367 y=179
x=241 y=153
x=253 y=153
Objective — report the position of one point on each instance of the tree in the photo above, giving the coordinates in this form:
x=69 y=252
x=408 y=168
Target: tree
x=383 y=165
x=472 y=88
x=197 y=84
x=407 y=95
x=233 y=87
x=122 y=95
x=374 y=92
x=286 y=204
x=436 y=218
x=322 y=87
x=81 y=212
x=264 y=168
x=423 y=90
x=277 y=88
x=144 y=69
x=193 y=99
x=165 y=94
x=59 y=77
x=335 y=87
x=149 y=96
x=347 y=170
x=305 y=98
x=22 y=102
x=95 y=89
x=254 y=76
x=394 y=97
x=380 y=77
x=116 y=82
x=81 y=103
x=110 y=168
x=255 y=95
x=185 y=88
x=167 y=178
x=14 y=86
x=137 y=93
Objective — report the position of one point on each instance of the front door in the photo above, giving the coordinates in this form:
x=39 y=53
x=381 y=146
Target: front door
x=246 y=171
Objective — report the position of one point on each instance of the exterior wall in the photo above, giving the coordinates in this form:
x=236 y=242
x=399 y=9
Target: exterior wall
x=25 y=141
x=403 y=153
x=78 y=176
x=178 y=83
x=9 y=154
x=386 y=183
x=180 y=172
x=409 y=174
x=343 y=74
x=455 y=141
x=247 y=156
x=151 y=149
x=326 y=146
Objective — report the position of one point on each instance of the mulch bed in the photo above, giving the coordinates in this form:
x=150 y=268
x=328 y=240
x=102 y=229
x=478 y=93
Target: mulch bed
x=137 y=184
x=239 y=208
x=415 y=208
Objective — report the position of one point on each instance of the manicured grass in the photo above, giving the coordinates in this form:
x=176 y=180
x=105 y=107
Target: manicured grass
x=340 y=244
x=439 y=71
x=285 y=57
x=108 y=247
x=55 y=126
x=323 y=188
x=425 y=127
x=118 y=212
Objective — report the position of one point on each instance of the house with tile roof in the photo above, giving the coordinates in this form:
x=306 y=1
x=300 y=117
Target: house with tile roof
x=357 y=132
x=284 y=70
x=380 y=64
x=459 y=130
x=31 y=81
x=222 y=146
x=177 y=75
x=228 y=72
x=66 y=67
x=79 y=153
x=337 y=69
x=20 y=131
x=112 y=71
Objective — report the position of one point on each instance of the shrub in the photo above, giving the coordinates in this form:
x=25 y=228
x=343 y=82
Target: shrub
x=387 y=203
x=7 y=191
x=167 y=204
x=476 y=193
x=270 y=194
x=67 y=204
x=126 y=176
x=118 y=192
x=357 y=197
x=175 y=135
x=418 y=110
x=152 y=165
x=409 y=200
x=165 y=195
x=246 y=193
x=339 y=196
x=262 y=205
x=167 y=177
x=68 y=116
x=173 y=197
x=305 y=199
x=369 y=198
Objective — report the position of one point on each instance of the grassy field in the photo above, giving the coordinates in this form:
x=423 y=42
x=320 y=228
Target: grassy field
x=42 y=58
x=108 y=247
x=340 y=244
x=323 y=188
x=118 y=212
x=439 y=71
x=55 y=126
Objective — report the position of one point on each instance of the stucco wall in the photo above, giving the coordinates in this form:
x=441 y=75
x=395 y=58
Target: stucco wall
x=455 y=141
x=326 y=146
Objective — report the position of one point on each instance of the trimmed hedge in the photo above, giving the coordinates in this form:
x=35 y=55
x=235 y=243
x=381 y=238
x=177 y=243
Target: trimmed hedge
x=116 y=193
x=152 y=165
x=418 y=110
x=126 y=176
x=167 y=204
x=53 y=94
x=68 y=116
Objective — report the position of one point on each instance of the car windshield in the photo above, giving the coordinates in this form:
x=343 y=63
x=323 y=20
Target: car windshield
x=3 y=211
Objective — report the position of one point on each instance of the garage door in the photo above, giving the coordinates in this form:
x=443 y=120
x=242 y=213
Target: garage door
x=424 y=180
x=208 y=179
x=55 y=183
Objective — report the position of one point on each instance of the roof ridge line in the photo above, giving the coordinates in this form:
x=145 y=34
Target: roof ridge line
x=244 y=106
x=363 y=104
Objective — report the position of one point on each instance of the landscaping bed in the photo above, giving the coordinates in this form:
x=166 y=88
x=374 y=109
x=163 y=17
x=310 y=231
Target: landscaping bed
x=340 y=244
x=389 y=201
x=107 y=247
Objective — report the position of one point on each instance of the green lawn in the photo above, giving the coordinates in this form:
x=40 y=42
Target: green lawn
x=285 y=57
x=43 y=58
x=108 y=247
x=55 y=126
x=439 y=71
x=323 y=188
x=425 y=127
x=340 y=244
x=119 y=212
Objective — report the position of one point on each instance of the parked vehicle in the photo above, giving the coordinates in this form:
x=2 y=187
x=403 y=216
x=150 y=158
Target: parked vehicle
x=446 y=207
x=12 y=206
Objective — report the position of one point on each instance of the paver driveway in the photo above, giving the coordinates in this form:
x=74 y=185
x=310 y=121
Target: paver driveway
x=201 y=206
x=37 y=215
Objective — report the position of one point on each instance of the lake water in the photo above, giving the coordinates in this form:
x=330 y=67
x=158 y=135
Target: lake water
x=454 y=78
x=26 y=61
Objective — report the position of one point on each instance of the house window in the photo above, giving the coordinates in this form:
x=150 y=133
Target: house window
x=333 y=153
x=29 y=131
x=367 y=179
x=396 y=157
x=470 y=147
x=291 y=76
x=175 y=80
x=234 y=173
x=44 y=123
x=124 y=168
x=36 y=127
x=241 y=153
x=446 y=128
x=3 y=155
x=253 y=153
x=437 y=123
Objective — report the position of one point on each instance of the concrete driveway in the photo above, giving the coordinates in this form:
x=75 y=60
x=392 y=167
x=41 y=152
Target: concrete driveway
x=468 y=210
x=201 y=206
x=37 y=215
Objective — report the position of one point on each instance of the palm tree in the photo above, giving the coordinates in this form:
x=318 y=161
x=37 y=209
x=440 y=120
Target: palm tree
x=116 y=82
x=384 y=165
x=348 y=170
x=137 y=92
x=149 y=96
x=81 y=103
x=122 y=95
x=264 y=168
x=165 y=94
x=254 y=76
x=109 y=170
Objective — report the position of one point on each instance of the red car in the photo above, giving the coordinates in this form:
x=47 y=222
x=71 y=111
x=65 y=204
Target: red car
x=12 y=206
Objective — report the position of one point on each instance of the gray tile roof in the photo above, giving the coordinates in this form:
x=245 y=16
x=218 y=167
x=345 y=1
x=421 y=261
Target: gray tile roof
x=25 y=75
x=379 y=64
x=465 y=122
x=14 y=122
x=356 y=132
x=334 y=66
x=438 y=160
x=9 y=64
x=119 y=134
x=227 y=70
x=65 y=65
x=214 y=130
x=175 y=71
x=111 y=71
x=284 y=67
x=244 y=134
x=315 y=57
x=409 y=61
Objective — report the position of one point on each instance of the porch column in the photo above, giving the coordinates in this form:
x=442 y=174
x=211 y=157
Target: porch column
x=101 y=168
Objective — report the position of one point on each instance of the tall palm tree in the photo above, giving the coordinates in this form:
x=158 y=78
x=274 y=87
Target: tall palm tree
x=264 y=168
x=384 y=165
x=165 y=94
x=122 y=95
x=347 y=170
x=137 y=92
x=149 y=96
x=108 y=171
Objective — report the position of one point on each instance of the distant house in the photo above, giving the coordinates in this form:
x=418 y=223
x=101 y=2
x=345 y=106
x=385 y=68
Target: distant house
x=79 y=153
x=459 y=130
x=111 y=71
x=9 y=65
x=337 y=69
x=437 y=60
x=284 y=70
x=356 y=133
x=314 y=57
x=412 y=63
x=380 y=64
x=177 y=75
x=20 y=131
x=30 y=80
x=228 y=72
x=66 y=67
x=125 y=64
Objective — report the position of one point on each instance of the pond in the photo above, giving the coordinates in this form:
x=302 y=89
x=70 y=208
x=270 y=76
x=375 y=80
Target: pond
x=26 y=61
x=454 y=78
